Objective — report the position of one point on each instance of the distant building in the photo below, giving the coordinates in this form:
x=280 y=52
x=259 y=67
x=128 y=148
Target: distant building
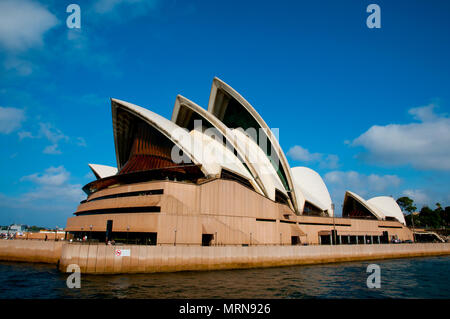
x=18 y=228
x=13 y=229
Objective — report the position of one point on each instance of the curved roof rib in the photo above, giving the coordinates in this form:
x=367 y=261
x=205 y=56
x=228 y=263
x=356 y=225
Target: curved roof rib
x=358 y=199
x=102 y=171
x=389 y=207
x=261 y=163
x=184 y=114
x=216 y=157
x=177 y=135
x=313 y=188
x=234 y=111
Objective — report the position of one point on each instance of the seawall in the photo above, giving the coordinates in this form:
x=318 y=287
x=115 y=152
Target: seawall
x=102 y=259
x=38 y=251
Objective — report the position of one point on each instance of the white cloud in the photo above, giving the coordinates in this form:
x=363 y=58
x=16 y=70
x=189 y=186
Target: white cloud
x=102 y=6
x=360 y=183
x=10 y=119
x=330 y=161
x=53 y=134
x=25 y=134
x=81 y=142
x=338 y=182
x=424 y=113
x=23 y=24
x=22 y=67
x=428 y=196
x=53 y=176
x=424 y=145
x=418 y=195
x=52 y=149
x=299 y=153
x=50 y=200
x=52 y=184
x=302 y=154
x=134 y=7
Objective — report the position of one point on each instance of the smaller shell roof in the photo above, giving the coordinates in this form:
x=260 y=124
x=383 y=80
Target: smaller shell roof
x=102 y=171
x=313 y=187
x=373 y=209
x=389 y=207
x=381 y=206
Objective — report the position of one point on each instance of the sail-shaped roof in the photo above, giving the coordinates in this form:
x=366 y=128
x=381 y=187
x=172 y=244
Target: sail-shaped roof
x=122 y=126
x=102 y=171
x=313 y=188
x=389 y=207
x=265 y=171
x=146 y=141
x=186 y=112
x=381 y=207
x=234 y=111
x=215 y=157
x=351 y=198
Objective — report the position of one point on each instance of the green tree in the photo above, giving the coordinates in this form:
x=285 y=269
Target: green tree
x=438 y=216
x=446 y=216
x=407 y=205
x=431 y=218
x=34 y=229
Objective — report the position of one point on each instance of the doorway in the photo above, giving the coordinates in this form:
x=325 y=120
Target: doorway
x=206 y=239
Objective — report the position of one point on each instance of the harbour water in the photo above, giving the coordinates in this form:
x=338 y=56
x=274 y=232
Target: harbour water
x=425 y=277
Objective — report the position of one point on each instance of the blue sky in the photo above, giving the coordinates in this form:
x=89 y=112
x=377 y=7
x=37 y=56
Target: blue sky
x=367 y=108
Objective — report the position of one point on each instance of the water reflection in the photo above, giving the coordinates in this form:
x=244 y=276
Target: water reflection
x=401 y=278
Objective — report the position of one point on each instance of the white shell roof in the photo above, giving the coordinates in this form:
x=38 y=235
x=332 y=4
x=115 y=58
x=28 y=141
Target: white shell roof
x=374 y=210
x=102 y=171
x=195 y=145
x=257 y=157
x=219 y=84
x=251 y=161
x=381 y=206
x=176 y=134
x=215 y=156
x=389 y=207
x=223 y=130
x=312 y=187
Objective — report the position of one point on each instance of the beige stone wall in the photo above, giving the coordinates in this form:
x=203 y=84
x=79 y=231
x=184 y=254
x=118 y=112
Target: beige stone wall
x=31 y=250
x=101 y=259
x=223 y=208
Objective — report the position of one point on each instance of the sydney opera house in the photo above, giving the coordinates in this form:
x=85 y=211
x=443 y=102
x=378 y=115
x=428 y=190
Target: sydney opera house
x=218 y=176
